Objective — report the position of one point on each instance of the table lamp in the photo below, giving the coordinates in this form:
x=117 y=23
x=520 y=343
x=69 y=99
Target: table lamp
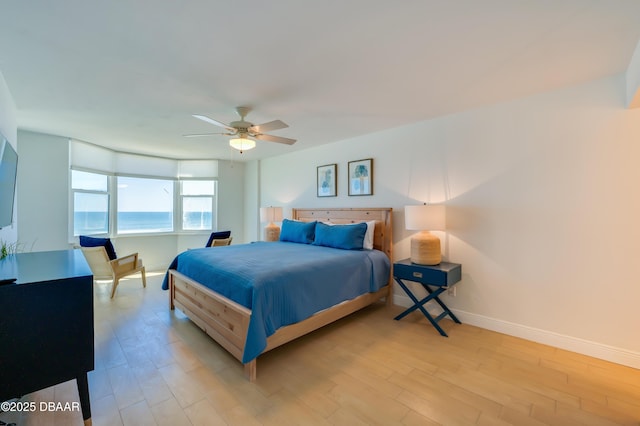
x=271 y=214
x=425 y=247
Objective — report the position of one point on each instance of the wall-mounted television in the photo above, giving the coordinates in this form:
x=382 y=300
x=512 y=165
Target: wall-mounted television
x=8 y=170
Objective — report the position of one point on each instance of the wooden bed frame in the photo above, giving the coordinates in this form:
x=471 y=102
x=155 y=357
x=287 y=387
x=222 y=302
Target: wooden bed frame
x=227 y=321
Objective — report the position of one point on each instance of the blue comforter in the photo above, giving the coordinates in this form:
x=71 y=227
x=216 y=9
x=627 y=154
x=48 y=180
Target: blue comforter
x=281 y=282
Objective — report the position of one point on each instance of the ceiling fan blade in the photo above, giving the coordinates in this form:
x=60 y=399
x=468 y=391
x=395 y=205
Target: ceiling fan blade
x=214 y=122
x=267 y=127
x=195 y=135
x=278 y=139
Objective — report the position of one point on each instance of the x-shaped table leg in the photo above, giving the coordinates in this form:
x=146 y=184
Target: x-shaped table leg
x=419 y=304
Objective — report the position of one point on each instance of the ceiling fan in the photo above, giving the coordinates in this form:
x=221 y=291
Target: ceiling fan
x=245 y=131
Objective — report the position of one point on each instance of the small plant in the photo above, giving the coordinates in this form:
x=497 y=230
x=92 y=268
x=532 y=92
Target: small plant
x=7 y=249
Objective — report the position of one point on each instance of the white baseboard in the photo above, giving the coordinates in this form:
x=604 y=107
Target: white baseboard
x=574 y=344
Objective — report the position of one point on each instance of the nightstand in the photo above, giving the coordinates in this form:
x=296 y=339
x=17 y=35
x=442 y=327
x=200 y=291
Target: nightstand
x=440 y=277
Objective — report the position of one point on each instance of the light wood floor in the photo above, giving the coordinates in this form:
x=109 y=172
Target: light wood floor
x=154 y=367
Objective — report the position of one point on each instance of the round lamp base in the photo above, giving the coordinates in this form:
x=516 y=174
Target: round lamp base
x=425 y=249
x=271 y=232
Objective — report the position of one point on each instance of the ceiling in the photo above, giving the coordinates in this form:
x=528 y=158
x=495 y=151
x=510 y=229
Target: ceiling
x=129 y=75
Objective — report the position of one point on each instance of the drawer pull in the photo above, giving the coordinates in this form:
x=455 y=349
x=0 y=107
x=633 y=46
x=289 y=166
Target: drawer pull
x=417 y=274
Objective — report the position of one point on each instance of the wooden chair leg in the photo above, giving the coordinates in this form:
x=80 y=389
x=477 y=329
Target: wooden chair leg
x=115 y=284
x=144 y=278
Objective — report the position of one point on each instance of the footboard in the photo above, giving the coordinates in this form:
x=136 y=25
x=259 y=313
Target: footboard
x=227 y=322
x=222 y=319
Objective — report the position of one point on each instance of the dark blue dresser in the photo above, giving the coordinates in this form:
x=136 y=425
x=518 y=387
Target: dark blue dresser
x=46 y=323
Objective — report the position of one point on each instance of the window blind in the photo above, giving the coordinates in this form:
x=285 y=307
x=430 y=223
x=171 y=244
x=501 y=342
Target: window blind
x=87 y=156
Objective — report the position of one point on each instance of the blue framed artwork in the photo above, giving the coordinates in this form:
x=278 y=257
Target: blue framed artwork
x=361 y=177
x=327 y=180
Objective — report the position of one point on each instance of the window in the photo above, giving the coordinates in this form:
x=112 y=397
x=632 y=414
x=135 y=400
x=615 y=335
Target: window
x=197 y=198
x=120 y=205
x=144 y=205
x=90 y=203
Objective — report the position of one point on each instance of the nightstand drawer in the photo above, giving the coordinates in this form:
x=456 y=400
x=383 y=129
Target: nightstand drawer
x=444 y=274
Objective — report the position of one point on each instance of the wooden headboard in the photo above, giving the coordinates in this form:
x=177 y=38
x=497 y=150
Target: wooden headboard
x=383 y=216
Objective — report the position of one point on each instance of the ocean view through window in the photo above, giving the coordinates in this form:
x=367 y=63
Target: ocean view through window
x=91 y=215
x=197 y=204
x=90 y=203
x=111 y=205
x=144 y=205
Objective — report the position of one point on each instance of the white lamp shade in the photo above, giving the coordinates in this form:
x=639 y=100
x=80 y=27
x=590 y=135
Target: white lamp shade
x=270 y=214
x=428 y=217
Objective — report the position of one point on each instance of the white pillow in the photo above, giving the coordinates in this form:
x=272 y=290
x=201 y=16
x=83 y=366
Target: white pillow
x=368 y=236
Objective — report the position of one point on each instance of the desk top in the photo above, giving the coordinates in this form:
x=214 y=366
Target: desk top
x=44 y=266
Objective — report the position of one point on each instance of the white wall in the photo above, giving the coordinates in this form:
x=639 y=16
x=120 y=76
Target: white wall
x=43 y=191
x=231 y=199
x=252 y=201
x=542 y=210
x=9 y=129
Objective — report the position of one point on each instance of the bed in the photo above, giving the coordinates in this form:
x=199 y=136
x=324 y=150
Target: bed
x=251 y=298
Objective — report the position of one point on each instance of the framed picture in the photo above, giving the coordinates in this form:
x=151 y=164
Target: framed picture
x=327 y=180
x=361 y=177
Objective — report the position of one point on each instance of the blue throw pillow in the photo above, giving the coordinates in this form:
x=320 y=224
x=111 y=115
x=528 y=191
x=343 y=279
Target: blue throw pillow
x=297 y=232
x=221 y=235
x=346 y=237
x=99 y=242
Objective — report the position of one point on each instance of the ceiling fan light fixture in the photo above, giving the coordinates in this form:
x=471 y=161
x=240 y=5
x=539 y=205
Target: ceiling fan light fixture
x=242 y=144
x=242 y=130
